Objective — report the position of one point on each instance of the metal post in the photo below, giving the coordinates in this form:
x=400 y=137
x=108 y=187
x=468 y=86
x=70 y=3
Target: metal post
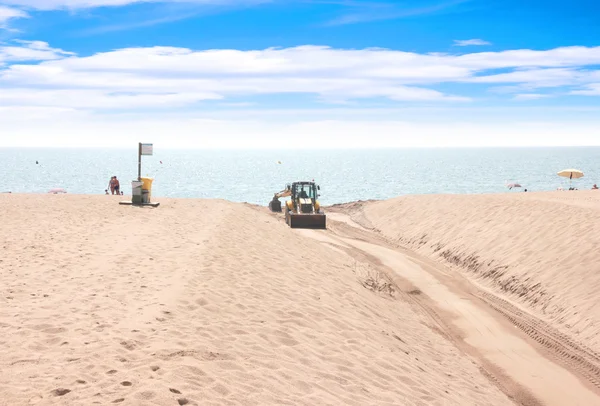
x=140 y=161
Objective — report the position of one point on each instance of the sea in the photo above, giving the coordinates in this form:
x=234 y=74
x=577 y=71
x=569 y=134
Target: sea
x=253 y=176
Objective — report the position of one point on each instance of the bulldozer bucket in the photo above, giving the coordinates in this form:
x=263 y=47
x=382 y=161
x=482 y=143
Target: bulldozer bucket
x=299 y=220
x=275 y=205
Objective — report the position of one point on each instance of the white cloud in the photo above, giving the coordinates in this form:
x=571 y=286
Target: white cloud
x=470 y=42
x=592 y=89
x=527 y=58
x=171 y=77
x=530 y=96
x=81 y=4
x=552 y=77
x=176 y=76
x=93 y=99
x=29 y=51
x=365 y=11
x=7 y=14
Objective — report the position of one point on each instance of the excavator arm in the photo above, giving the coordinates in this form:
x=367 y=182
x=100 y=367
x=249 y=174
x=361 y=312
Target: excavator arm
x=275 y=204
x=283 y=193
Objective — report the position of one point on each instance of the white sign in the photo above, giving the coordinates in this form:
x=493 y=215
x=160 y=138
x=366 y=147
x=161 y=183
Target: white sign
x=146 y=149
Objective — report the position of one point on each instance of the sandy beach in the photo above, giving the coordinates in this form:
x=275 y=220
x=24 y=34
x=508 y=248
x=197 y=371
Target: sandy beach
x=424 y=300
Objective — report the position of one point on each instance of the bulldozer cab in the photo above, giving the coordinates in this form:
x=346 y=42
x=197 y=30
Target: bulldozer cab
x=304 y=190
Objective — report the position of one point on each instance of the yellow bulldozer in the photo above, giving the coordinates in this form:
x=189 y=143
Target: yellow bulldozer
x=303 y=210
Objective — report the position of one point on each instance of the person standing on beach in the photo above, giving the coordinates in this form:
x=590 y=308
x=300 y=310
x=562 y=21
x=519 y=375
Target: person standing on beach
x=117 y=185
x=113 y=185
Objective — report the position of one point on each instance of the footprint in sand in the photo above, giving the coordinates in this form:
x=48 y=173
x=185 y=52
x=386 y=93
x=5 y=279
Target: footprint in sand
x=35 y=400
x=60 y=392
x=128 y=344
x=183 y=401
x=126 y=383
x=175 y=391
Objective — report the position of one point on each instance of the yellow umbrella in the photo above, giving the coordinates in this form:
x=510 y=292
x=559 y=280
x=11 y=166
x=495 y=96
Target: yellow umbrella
x=571 y=173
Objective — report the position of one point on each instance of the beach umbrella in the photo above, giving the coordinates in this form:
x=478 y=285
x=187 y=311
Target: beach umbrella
x=571 y=174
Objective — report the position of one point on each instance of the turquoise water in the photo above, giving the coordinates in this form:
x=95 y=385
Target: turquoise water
x=253 y=176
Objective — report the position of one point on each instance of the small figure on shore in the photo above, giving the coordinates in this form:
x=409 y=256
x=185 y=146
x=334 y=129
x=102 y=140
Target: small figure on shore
x=106 y=192
x=113 y=185
x=594 y=187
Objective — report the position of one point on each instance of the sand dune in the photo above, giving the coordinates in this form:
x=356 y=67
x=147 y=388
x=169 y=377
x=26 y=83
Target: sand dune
x=210 y=302
x=539 y=250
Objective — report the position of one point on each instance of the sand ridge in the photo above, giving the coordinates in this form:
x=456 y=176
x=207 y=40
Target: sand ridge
x=510 y=251
x=205 y=302
x=539 y=250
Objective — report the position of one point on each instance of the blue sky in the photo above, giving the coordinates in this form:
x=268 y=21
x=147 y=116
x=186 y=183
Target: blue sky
x=245 y=73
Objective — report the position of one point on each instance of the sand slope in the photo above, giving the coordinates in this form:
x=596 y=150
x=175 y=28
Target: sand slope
x=204 y=302
x=539 y=250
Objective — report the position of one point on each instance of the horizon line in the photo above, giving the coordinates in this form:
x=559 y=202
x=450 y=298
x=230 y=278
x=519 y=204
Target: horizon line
x=134 y=146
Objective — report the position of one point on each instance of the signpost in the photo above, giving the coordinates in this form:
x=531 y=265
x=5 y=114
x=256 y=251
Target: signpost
x=143 y=149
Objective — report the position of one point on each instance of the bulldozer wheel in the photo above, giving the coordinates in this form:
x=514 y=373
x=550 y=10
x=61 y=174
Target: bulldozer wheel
x=288 y=217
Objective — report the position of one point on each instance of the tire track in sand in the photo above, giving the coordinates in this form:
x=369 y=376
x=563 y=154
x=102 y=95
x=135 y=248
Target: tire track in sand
x=503 y=353
x=572 y=355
